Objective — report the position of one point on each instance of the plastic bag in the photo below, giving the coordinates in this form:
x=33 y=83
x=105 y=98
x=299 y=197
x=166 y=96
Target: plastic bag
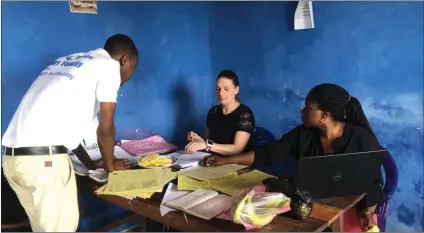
x=255 y=208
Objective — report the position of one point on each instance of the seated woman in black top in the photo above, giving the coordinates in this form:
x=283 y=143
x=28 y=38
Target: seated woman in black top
x=333 y=123
x=229 y=125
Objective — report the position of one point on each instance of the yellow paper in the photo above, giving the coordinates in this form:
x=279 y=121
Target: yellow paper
x=101 y=190
x=210 y=173
x=134 y=180
x=247 y=180
x=144 y=195
x=188 y=183
x=141 y=180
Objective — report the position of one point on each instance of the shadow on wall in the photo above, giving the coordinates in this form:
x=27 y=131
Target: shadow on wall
x=185 y=118
x=247 y=42
x=290 y=10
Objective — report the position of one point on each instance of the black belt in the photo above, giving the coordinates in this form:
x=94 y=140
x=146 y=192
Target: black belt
x=39 y=150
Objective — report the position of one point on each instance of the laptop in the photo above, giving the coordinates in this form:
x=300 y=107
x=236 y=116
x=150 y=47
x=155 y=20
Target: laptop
x=339 y=175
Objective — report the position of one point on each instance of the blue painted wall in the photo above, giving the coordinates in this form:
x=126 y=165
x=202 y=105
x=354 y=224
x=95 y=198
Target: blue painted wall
x=374 y=49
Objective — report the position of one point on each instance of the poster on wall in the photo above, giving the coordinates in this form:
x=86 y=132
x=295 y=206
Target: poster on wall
x=304 y=16
x=87 y=7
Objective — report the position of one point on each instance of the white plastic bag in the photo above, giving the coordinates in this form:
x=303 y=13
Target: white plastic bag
x=255 y=208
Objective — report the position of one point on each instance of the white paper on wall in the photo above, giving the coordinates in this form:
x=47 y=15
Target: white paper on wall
x=304 y=16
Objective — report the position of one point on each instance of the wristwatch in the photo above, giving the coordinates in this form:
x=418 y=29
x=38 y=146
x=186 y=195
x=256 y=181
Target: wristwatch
x=209 y=144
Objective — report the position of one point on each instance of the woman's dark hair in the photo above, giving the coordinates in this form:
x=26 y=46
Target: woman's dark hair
x=231 y=75
x=340 y=104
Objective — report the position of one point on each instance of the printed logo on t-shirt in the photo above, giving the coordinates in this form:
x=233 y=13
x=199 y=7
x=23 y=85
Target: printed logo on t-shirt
x=70 y=61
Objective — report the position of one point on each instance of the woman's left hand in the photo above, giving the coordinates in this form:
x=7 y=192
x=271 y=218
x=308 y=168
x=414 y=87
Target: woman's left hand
x=195 y=146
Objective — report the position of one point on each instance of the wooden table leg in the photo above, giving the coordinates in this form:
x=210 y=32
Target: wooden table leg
x=143 y=224
x=338 y=224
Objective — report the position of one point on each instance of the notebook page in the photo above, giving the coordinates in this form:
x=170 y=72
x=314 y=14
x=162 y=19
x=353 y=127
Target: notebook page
x=192 y=199
x=212 y=207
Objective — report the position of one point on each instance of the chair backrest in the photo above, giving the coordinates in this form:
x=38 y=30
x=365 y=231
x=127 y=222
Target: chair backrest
x=391 y=172
x=262 y=136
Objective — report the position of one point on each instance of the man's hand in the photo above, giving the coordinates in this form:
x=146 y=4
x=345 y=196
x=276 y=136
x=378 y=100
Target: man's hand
x=99 y=163
x=121 y=164
x=214 y=160
x=118 y=164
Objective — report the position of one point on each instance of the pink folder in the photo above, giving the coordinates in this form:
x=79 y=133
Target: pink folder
x=153 y=144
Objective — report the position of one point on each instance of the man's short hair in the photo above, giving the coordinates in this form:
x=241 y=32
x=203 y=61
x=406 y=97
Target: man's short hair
x=121 y=44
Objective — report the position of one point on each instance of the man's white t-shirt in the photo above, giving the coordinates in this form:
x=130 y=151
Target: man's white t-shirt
x=63 y=101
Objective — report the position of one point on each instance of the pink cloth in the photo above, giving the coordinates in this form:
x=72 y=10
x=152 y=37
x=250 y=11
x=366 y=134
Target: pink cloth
x=153 y=144
x=351 y=221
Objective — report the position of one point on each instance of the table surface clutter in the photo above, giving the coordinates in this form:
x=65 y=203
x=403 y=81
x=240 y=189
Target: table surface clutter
x=326 y=212
x=189 y=197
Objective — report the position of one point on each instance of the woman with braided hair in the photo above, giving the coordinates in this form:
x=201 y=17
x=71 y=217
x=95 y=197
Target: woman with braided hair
x=333 y=123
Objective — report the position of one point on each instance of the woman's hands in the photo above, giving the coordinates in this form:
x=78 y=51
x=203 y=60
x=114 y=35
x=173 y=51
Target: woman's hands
x=195 y=146
x=194 y=137
x=196 y=143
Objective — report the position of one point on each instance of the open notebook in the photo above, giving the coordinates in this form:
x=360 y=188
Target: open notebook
x=202 y=203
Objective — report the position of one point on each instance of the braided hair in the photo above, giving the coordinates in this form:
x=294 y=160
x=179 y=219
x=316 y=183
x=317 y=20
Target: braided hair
x=340 y=104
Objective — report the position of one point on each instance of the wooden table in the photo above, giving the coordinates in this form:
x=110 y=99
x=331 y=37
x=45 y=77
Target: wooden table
x=326 y=212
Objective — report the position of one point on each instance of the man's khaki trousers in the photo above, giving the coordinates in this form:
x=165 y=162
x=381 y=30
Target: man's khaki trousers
x=46 y=188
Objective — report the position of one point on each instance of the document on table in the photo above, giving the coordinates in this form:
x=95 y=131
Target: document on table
x=171 y=193
x=209 y=173
x=187 y=183
x=188 y=160
x=247 y=180
x=141 y=180
x=140 y=184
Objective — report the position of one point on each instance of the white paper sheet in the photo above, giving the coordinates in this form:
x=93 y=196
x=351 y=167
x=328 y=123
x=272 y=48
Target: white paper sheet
x=171 y=193
x=304 y=16
x=188 y=160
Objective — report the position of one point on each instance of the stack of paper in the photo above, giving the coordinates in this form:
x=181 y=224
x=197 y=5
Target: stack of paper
x=141 y=183
x=188 y=183
x=201 y=203
x=210 y=173
x=224 y=179
x=204 y=202
x=244 y=181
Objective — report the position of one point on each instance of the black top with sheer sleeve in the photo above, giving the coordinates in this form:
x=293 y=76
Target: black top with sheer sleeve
x=303 y=141
x=222 y=128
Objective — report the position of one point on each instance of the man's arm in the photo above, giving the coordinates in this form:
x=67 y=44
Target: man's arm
x=106 y=133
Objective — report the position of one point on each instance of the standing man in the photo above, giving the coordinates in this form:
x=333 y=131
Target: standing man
x=52 y=117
